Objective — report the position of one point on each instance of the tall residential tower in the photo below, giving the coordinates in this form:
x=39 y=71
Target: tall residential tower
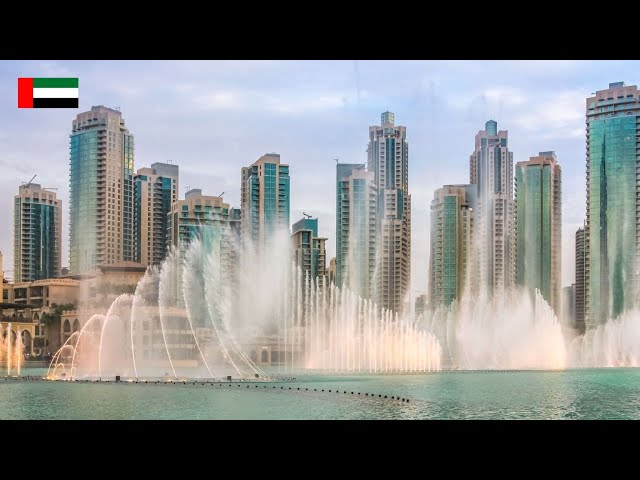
x=539 y=227
x=491 y=170
x=101 y=190
x=309 y=249
x=265 y=194
x=388 y=160
x=155 y=190
x=37 y=234
x=580 y=281
x=612 y=231
x=356 y=207
x=451 y=233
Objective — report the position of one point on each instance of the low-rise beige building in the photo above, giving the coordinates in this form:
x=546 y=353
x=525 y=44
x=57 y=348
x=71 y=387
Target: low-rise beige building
x=31 y=308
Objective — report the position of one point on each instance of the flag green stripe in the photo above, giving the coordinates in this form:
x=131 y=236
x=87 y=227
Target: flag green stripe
x=55 y=83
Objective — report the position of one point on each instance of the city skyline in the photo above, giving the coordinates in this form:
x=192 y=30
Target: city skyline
x=435 y=161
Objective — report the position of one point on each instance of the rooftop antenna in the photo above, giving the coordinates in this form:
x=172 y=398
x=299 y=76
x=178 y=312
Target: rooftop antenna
x=307 y=215
x=221 y=194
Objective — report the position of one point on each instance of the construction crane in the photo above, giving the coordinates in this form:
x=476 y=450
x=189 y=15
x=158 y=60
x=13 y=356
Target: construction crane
x=29 y=182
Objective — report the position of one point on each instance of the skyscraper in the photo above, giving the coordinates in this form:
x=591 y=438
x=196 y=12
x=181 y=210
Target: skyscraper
x=192 y=217
x=209 y=220
x=155 y=190
x=451 y=233
x=388 y=160
x=356 y=208
x=309 y=250
x=580 y=284
x=612 y=231
x=37 y=234
x=568 y=316
x=421 y=304
x=539 y=227
x=331 y=271
x=101 y=190
x=491 y=170
x=343 y=172
x=265 y=198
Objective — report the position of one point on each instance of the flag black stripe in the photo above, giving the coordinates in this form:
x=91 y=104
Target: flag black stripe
x=55 y=103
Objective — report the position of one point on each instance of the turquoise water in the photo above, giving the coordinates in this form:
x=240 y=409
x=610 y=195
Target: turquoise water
x=573 y=394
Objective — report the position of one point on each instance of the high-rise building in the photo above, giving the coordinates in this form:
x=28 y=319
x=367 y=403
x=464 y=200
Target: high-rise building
x=309 y=250
x=356 y=207
x=568 y=315
x=343 y=172
x=421 y=304
x=191 y=217
x=265 y=199
x=539 y=227
x=331 y=272
x=37 y=234
x=612 y=230
x=388 y=160
x=580 y=281
x=101 y=190
x=491 y=170
x=451 y=233
x=155 y=190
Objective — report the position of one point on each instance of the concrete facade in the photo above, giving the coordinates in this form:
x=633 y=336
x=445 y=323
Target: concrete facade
x=388 y=160
x=491 y=170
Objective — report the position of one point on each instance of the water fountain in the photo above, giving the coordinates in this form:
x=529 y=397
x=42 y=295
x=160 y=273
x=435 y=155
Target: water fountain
x=513 y=331
x=190 y=319
x=11 y=351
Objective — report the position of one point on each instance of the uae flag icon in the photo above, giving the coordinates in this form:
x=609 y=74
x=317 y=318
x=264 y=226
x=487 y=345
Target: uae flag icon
x=47 y=93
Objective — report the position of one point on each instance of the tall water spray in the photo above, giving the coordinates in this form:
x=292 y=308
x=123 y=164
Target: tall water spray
x=196 y=316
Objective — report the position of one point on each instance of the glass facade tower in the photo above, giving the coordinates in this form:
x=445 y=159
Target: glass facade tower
x=356 y=205
x=37 y=234
x=265 y=199
x=309 y=250
x=612 y=230
x=451 y=233
x=155 y=190
x=101 y=194
x=539 y=227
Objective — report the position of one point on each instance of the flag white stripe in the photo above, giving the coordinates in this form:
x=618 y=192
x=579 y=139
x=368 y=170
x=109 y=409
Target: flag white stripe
x=55 y=93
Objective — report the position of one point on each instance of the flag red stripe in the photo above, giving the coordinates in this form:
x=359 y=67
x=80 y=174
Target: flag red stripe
x=25 y=93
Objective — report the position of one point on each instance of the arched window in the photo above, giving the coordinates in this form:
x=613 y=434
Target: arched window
x=76 y=325
x=66 y=327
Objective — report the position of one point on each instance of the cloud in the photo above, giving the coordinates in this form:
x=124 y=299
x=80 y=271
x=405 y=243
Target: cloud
x=275 y=103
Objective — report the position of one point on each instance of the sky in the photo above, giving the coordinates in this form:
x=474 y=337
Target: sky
x=213 y=117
